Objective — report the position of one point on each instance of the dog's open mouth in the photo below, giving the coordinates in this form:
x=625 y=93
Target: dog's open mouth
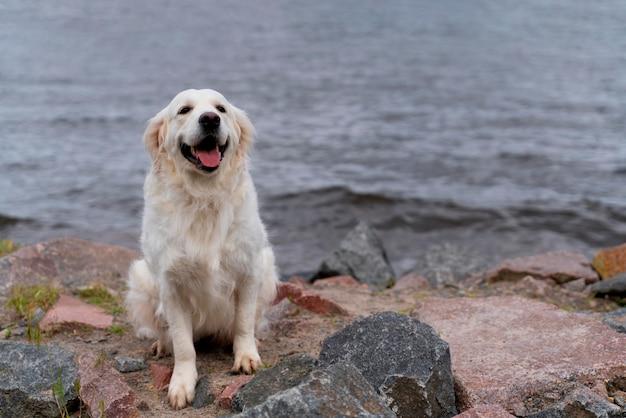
x=207 y=155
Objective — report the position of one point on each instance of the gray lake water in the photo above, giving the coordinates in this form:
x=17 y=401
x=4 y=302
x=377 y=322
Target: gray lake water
x=496 y=127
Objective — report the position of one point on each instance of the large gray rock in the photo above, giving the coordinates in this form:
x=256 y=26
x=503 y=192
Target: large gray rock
x=338 y=390
x=584 y=403
x=448 y=263
x=288 y=373
x=616 y=320
x=610 y=287
x=30 y=376
x=361 y=255
x=402 y=358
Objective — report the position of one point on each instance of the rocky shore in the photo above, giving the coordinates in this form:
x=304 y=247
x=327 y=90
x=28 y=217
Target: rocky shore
x=539 y=336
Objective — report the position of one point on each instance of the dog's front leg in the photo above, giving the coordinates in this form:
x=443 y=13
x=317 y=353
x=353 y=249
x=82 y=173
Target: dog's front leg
x=183 y=382
x=244 y=345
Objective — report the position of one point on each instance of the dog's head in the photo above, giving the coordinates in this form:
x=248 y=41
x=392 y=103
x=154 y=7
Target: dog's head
x=200 y=132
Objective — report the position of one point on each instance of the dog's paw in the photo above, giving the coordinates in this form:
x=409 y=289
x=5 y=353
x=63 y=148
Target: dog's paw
x=182 y=385
x=159 y=349
x=247 y=361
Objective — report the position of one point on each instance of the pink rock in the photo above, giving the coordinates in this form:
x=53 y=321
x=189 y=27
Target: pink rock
x=485 y=411
x=161 y=375
x=103 y=390
x=69 y=310
x=308 y=300
x=339 y=281
x=522 y=354
x=320 y=305
x=68 y=262
x=560 y=266
x=287 y=290
x=225 y=399
x=412 y=281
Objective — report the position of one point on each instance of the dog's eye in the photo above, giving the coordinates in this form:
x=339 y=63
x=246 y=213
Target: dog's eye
x=184 y=109
x=221 y=108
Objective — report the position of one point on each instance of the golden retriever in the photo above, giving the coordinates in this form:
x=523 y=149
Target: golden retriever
x=208 y=268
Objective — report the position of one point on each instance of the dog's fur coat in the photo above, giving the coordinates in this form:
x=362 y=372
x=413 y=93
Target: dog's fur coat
x=208 y=268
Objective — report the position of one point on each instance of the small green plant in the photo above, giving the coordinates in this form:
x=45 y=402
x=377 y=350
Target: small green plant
x=7 y=247
x=59 y=396
x=24 y=300
x=100 y=296
x=116 y=329
x=33 y=333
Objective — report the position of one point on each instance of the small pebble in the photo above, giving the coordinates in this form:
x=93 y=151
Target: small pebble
x=125 y=364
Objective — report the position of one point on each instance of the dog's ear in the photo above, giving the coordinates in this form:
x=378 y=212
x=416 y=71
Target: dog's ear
x=155 y=133
x=246 y=132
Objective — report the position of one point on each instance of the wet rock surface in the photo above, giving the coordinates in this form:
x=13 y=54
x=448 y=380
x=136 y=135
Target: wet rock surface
x=559 y=266
x=333 y=391
x=522 y=354
x=402 y=358
x=288 y=373
x=33 y=378
x=361 y=255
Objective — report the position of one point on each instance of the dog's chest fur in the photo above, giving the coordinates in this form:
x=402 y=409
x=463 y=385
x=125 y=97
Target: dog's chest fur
x=193 y=245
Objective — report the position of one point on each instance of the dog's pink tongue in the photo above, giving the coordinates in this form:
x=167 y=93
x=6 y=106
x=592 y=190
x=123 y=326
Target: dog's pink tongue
x=209 y=158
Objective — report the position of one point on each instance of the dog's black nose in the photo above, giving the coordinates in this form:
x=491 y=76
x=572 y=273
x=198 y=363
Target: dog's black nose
x=209 y=120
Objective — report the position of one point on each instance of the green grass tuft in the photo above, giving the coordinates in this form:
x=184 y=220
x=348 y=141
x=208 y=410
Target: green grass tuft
x=24 y=300
x=100 y=296
x=117 y=329
x=7 y=247
x=59 y=396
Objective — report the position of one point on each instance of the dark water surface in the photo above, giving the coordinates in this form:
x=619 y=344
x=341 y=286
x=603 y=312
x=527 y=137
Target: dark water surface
x=496 y=126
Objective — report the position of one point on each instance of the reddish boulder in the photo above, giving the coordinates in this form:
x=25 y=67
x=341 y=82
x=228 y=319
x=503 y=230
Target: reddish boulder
x=68 y=262
x=610 y=262
x=161 y=375
x=485 y=411
x=522 y=354
x=225 y=399
x=309 y=300
x=560 y=266
x=103 y=390
x=69 y=310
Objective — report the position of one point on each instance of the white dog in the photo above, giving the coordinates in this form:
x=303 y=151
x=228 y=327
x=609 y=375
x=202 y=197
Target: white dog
x=208 y=268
